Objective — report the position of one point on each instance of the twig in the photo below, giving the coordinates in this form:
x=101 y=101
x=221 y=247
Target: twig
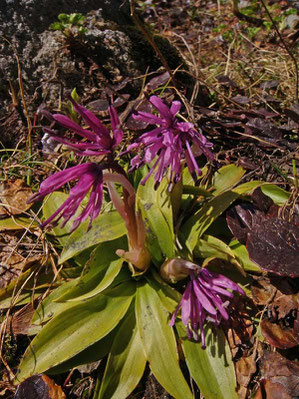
x=247 y=18
x=20 y=79
x=285 y=46
x=149 y=38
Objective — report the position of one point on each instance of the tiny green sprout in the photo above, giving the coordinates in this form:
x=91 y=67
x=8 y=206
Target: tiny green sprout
x=70 y=25
x=69 y=106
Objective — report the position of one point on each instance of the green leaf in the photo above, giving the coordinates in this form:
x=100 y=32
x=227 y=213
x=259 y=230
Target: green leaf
x=277 y=194
x=75 y=329
x=91 y=354
x=212 y=368
x=18 y=223
x=211 y=247
x=64 y=18
x=106 y=227
x=24 y=287
x=48 y=308
x=199 y=191
x=56 y=26
x=243 y=256
x=156 y=210
x=126 y=362
x=99 y=272
x=159 y=342
x=51 y=203
x=76 y=18
x=226 y=178
x=168 y=295
x=247 y=188
x=75 y=96
x=197 y=224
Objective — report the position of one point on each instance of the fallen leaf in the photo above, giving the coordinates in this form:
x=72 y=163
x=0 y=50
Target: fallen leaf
x=20 y=321
x=270 y=390
x=279 y=370
x=269 y=84
x=13 y=197
x=293 y=112
x=282 y=338
x=274 y=246
x=245 y=368
x=39 y=387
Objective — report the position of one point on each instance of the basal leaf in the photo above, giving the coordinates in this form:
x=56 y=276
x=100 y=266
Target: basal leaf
x=99 y=272
x=243 y=256
x=93 y=353
x=211 y=368
x=17 y=223
x=226 y=178
x=211 y=247
x=278 y=195
x=197 y=224
x=75 y=329
x=126 y=362
x=106 y=227
x=51 y=203
x=48 y=308
x=159 y=342
x=156 y=210
x=168 y=295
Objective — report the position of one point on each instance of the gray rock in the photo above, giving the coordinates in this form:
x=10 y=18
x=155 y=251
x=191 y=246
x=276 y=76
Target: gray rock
x=112 y=46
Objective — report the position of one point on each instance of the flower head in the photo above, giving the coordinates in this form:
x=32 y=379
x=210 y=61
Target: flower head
x=172 y=141
x=206 y=298
x=98 y=140
x=90 y=179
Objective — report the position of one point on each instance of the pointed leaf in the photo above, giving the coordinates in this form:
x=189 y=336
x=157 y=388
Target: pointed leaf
x=48 y=308
x=159 y=342
x=93 y=353
x=106 y=227
x=212 y=368
x=156 y=210
x=75 y=329
x=126 y=362
x=227 y=177
x=18 y=223
x=278 y=195
x=211 y=247
x=50 y=204
x=99 y=272
x=197 y=224
x=243 y=256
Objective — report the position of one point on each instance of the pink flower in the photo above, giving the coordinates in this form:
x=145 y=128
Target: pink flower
x=90 y=179
x=206 y=298
x=171 y=142
x=98 y=139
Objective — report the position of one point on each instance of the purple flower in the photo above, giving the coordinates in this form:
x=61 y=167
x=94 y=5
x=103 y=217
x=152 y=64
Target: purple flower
x=90 y=179
x=206 y=298
x=172 y=141
x=98 y=140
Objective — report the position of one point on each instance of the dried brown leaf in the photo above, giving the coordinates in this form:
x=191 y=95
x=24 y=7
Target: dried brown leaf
x=39 y=387
x=13 y=197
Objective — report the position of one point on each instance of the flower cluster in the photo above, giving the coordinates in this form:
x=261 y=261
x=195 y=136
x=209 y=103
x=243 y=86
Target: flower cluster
x=97 y=141
x=170 y=143
x=206 y=298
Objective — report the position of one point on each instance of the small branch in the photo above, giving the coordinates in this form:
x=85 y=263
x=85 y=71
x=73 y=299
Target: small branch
x=247 y=18
x=149 y=38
